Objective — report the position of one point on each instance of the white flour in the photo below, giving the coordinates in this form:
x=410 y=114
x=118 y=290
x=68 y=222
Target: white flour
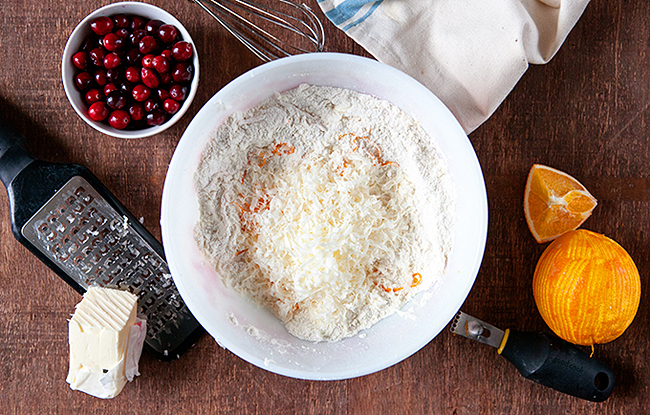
x=329 y=207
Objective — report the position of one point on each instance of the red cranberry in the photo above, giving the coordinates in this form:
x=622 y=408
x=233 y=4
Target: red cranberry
x=147 y=44
x=97 y=56
x=120 y=20
x=98 y=111
x=89 y=43
x=167 y=33
x=152 y=26
x=171 y=106
x=182 y=51
x=80 y=60
x=151 y=104
x=119 y=119
x=114 y=75
x=166 y=78
x=178 y=92
x=160 y=64
x=163 y=94
x=141 y=93
x=126 y=87
x=108 y=88
x=132 y=74
x=123 y=33
x=136 y=111
x=112 y=61
x=116 y=100
x=147 y=61
x=127 y=83
x=132 y=56
x=94 y=95
x=113 y=42
x=100 y=77
x=136 y=36
x=137 y=22
x=101 y=25
x=182 y=72
x=156 y=117
x=83 y=80
x=149 y=78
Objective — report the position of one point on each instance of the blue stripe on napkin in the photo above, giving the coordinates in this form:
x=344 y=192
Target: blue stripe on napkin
x=348 y=9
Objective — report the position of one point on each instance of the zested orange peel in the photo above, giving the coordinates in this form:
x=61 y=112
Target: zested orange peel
x=555 y=203
x=587 y=288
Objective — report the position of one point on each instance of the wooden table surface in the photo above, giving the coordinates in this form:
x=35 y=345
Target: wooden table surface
x=586 y=113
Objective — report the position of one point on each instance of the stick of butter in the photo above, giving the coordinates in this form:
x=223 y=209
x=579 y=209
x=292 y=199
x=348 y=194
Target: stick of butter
x=106 y=339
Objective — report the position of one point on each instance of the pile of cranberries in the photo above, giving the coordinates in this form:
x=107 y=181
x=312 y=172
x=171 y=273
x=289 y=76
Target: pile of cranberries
x=133 y=72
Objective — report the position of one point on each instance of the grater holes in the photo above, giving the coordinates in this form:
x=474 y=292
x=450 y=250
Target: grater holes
x=103 y=249
x=74 y=247
x=95 y=245
x=87 y=199
x=82 y=238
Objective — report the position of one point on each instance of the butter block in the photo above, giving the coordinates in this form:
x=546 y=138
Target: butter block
x=106 y=339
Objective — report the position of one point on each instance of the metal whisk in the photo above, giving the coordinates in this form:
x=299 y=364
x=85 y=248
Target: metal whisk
x=269 y=33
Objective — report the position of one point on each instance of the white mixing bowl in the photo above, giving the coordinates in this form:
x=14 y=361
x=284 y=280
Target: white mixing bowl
x=254 y=333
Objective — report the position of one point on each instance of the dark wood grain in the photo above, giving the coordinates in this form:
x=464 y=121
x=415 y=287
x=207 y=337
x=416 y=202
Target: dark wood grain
x=586 y=112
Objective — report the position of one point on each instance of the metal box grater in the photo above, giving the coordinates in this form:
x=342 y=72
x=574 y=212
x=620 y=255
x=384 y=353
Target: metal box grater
x=64 y=215
x=80 y=232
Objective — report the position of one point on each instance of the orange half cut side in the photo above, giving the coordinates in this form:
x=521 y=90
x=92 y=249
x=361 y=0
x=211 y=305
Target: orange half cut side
x=555 y=203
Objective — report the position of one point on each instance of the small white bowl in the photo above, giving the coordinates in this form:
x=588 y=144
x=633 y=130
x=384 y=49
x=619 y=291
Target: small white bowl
x=254 y=333
x=79 y=35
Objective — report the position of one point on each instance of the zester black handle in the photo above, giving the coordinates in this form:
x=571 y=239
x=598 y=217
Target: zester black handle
x=553 y=362
x=13 y=153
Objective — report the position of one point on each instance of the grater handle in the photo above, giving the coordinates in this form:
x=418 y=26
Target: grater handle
x=14 y=156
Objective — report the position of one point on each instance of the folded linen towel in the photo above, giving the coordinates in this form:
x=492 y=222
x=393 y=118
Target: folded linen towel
x=470 y=53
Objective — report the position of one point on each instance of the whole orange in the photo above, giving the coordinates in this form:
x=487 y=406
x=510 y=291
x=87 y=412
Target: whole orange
x=586 y=288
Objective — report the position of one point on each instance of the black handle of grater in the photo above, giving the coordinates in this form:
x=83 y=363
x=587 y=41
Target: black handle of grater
x=14 y=156
x=31 y=183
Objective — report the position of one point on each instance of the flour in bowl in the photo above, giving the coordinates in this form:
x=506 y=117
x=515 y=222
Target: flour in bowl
x=330 y=207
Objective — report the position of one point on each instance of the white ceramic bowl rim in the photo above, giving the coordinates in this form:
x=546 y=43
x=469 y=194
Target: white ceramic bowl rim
x=77 y=37
x=252 y=332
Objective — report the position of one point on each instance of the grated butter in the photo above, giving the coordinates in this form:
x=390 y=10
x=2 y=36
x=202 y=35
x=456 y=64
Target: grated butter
x=329 y=207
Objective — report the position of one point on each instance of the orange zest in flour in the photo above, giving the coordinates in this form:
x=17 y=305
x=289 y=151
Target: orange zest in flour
x=260 y=157
x=417 y=279
x=370 y=147
x=298 y=202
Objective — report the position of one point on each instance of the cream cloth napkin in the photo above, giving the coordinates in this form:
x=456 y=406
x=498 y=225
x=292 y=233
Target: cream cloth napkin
x=470 y=53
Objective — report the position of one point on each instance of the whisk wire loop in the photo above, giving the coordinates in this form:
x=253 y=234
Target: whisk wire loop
x=269 y=33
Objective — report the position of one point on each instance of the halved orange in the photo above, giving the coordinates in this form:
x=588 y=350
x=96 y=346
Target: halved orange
x=555 y=203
